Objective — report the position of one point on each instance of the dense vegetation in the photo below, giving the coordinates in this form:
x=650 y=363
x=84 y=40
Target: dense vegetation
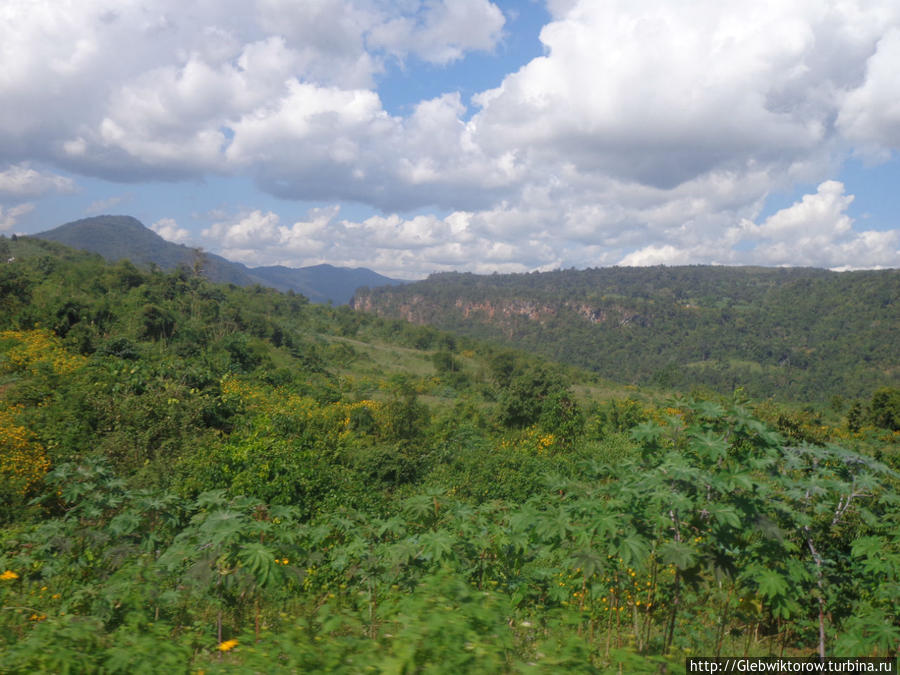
x=202 y=477
x=796 y=334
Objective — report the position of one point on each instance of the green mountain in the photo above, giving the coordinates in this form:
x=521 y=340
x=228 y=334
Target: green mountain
x=800 y=334
x=321 y=283
x=123 y=237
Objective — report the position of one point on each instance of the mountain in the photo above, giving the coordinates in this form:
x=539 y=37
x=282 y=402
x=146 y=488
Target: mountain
x=794 y=333
x=341 y=282
x=121 y=237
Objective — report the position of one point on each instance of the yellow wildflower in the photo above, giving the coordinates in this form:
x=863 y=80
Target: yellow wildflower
x=227 y=645
x=8 y=575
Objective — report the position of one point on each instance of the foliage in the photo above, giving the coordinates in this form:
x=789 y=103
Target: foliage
x=796 y=334
x=884 y=410
x=263 y=485
x=23 y=461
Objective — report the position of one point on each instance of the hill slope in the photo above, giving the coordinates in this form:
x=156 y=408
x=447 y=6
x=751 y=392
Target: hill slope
x=200 y=477
x=793 y=333
x=124 y=237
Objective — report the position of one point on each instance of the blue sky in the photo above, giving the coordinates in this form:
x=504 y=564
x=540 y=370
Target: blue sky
x=413 y=136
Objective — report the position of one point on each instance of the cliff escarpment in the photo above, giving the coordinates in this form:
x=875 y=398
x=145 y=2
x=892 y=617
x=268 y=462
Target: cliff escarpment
x=791 y=333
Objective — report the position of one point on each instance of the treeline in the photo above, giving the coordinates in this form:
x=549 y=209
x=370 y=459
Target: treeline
x=206 y=477
x=795 y=334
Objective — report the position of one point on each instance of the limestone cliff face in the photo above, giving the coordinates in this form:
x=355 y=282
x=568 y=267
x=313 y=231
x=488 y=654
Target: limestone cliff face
x=418 y=309
x=494 y=310
x=421 y=310
x=615 y=315
x=414 y=309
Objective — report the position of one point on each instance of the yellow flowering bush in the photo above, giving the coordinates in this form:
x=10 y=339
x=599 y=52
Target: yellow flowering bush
x=30 y=350
x=532 y=441
x=284 y=447
x=280 y=409
x=23 y=461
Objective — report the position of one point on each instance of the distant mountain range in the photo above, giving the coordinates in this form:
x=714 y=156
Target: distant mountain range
x=124 y=237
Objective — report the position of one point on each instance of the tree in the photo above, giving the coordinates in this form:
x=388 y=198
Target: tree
x=158 y=323
x=527 y=396
x=444 y=363
x=884 y=410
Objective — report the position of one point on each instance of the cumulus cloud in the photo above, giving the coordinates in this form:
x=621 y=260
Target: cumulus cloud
x=402 y=247
x=870 y=114
x=660 y=94
x=10 y=216
x=645 y=92
x=343 y=41
x=647 y=132
x=815 y=231
x=152 y=91
x=20 y=180
x=258 y=238
x=168 y=229
x=442 y=31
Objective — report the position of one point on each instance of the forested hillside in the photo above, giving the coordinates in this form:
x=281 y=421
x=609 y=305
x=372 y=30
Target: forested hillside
x=125 y=238
x=794 y=334
x=201 y=477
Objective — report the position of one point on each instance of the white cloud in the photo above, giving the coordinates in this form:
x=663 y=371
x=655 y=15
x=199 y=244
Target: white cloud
x=10 y=216
x=821 y=214
x=660 y=93
x=253 y=229
x=20 y=180
x=657 y=255
x=815 y=231
x=870 y=114
x=327 y=36
x=152 y=91
x=443 y=31
x=258 y=238
x=168 y=229
x=647 y=132
x=341 y=42
x=396 y=246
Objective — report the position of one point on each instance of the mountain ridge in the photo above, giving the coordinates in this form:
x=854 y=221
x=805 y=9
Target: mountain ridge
x=117 y=237
x=798 y=333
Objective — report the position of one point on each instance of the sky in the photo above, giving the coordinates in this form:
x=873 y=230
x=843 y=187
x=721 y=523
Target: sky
x=419 y=136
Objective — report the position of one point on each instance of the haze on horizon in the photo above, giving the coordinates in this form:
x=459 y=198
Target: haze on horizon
x=412 y=136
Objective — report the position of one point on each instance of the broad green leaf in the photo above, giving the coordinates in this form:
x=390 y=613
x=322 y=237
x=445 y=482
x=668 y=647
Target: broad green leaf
x=710 y=445
x=726 y=515
x=259 y=559
x=770 y=583
x=677 y=553
x=436 y=545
